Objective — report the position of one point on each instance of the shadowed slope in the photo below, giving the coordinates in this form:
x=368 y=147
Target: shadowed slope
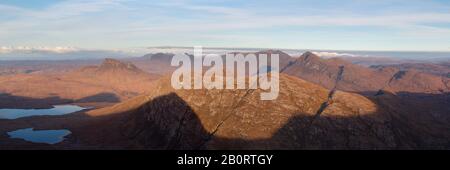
x=208 y=119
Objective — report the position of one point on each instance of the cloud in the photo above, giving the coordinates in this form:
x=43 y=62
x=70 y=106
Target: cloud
x=335 y=54
x=190 y=50
x=115 y=23
x=25 y=49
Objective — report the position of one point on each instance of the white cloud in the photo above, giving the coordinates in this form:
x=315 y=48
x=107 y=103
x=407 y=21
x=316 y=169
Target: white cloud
x=26 y=49
x=190 y=50
x=113 y=23
x=335 y=54
x=75 y=8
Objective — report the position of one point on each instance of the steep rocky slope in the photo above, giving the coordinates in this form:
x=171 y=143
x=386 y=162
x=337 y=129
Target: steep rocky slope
x=305 y=116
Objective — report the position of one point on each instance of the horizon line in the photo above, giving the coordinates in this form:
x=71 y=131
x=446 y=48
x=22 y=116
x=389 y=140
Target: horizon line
x=305 y=49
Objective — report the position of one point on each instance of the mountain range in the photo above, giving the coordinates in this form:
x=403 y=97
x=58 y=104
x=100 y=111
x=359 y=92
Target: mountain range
x=323 y=103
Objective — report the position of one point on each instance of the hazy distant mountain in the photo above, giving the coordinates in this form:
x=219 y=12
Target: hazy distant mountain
x=439 y=69
x=371 y=61
x=284 y=58
x=42 y=66
x=158 y=63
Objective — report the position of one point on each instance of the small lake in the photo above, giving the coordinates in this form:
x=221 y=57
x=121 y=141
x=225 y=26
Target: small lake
x=56 y=110
x=40 y=136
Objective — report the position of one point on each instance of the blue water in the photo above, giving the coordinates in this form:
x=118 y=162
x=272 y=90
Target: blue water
x=40 y=136
x=56 y=110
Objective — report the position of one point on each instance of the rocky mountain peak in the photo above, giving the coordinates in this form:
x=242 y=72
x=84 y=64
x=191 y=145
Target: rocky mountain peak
x=110 y=63
x=309 y=56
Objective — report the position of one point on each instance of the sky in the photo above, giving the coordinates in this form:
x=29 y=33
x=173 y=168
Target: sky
x=382 y=25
